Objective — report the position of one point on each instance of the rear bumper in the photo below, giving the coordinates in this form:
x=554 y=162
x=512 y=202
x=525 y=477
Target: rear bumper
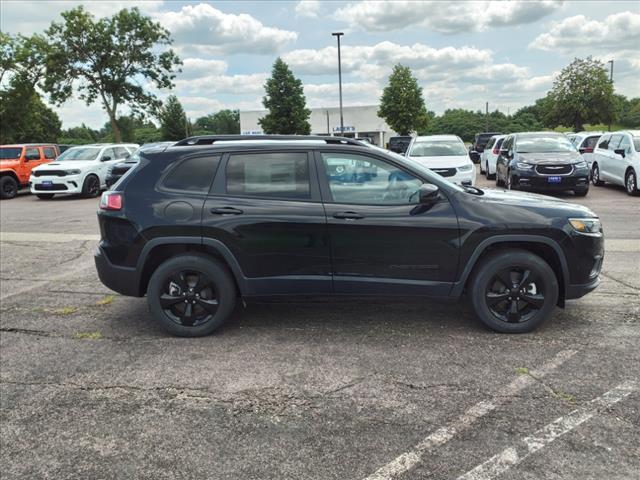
x=123 y=280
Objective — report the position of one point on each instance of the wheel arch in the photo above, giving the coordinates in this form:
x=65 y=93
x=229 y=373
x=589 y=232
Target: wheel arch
x=159 y=250
x=547 y=248
x=10 y=173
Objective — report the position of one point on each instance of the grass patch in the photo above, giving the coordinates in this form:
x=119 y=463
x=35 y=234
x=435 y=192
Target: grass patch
x=88 y=335
x=522 y=371
x=106 y=300
x=65 y=310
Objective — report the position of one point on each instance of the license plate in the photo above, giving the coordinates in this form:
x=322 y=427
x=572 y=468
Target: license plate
x=47 y=183
x=554 y=179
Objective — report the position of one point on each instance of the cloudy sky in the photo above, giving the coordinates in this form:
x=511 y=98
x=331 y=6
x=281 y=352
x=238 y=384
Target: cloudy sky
x=463 y=53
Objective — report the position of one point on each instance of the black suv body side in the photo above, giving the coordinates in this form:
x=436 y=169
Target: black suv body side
x=322 y=235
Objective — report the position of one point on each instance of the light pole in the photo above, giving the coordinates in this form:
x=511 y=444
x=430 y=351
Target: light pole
x=611 y=80
x=338 y=35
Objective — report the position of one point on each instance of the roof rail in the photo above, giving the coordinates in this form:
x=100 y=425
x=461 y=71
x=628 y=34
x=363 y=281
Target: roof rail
x=211 y=139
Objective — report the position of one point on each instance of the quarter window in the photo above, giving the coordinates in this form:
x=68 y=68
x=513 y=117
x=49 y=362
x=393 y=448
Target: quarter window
x=192 y=175
x=358 y=179
x=278 y=175
x=32 y=154
x=604 y=142
x=49 y=152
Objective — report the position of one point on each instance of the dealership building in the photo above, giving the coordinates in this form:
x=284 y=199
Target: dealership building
x=358 y=122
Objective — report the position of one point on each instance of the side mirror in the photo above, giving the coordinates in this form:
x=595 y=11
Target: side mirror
x=620 y=151
x=428 y=193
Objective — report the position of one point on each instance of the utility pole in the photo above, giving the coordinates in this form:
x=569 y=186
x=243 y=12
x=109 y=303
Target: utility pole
x=338 y=35
x=486 y=117
x=328 y=129
x=611 y=80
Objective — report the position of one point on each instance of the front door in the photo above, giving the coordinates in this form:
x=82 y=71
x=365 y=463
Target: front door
x=265 y=207
x=382 y=240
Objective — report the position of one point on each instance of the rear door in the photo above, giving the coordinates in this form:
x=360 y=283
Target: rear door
x=382 y=240
x=619 y=162
x=610 y=159
x=265 y=208
x=33 y=157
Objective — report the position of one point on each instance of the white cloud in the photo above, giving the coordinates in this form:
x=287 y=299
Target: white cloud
x=443 y=17
x=308 y=8
x=194 y=68
x=205 y=29
x=618 y=31
x=251 y=84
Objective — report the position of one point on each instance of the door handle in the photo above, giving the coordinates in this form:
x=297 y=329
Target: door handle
x=226 y=211
x=348 y=215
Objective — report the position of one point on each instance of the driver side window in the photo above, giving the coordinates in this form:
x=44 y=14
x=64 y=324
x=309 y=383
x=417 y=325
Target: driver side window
x=359 y=179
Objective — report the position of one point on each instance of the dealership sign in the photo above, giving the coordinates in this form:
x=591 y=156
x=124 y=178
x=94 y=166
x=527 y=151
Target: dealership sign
x=344 y=129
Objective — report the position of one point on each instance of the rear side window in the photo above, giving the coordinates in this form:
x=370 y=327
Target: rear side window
x=192 y=175
x=614 y=142
x=32 y=154
x=604 y=142
x=279 y=175
x=491 y=142
x=499 y=143
x=121 y=152
x=49 y=152
x=590 y=142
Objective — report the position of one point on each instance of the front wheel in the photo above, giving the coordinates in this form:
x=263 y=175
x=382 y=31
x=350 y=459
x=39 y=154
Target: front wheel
x=91 y=186
x=581 y=192
x=513 y=291
x=631 y=183
x=8 y=187
x=595 y=175
x=191 y=295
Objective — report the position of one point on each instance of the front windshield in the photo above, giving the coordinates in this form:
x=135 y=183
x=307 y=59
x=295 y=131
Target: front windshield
x=544 y=144
x=10 y=153
x=433 y=177
x=438 y=148
x=79 y=153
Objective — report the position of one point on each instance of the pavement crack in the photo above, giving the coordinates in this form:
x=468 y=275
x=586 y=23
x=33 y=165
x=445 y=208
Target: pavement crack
x=28 y=331
x=622 y=282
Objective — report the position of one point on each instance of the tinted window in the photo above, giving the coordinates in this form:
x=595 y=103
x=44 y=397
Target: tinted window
x=543 y=144
x=32 y=154
x=49 y=152
x=499 y=143
x=590 y=142
x=604 y=141
x=507 y=143
x=358 y=179
x=491 y=142
x=277 y=175
x=10 y=153
x=614 y=142
x=625 y=145
x=192 y=175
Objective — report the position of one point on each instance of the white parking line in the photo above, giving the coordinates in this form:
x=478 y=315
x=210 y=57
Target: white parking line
x=410 y=459
x=512 y=456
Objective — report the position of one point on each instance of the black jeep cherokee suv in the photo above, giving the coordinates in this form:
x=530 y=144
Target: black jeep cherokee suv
x=212 y=219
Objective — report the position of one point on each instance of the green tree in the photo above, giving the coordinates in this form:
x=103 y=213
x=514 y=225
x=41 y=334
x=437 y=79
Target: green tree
x=582 y=93
x=24 y=117
x=402 y=105
x=630 y=113
x=457 y=121
x=111 y=59
x=286 y=103
x=219 y=123
x=173 y=120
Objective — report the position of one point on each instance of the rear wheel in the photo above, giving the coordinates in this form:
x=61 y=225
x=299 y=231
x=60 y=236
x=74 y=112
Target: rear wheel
x=513 y=291
x=8 y=187
x=44 y=196
x=631 y=183
x=581 y=192
x=191 y=295
x=595 y=175
x=91 y=186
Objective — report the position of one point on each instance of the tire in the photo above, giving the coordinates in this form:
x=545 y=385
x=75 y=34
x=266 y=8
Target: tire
x=8 y=187
x=44 y=196
x=91 y=186
x=582 y=192
x=595 y=175
x=179 y=278
x=631 y=183
x=480 y=165
x=487 y=291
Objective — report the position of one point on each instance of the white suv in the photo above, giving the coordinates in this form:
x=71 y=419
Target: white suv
x=82 y=169
x=586 y=143
x=445 y=155
x=489 y=156
x=616 y=159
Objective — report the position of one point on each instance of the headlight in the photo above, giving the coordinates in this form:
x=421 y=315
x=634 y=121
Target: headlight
x=586 y=225
x=72 y=172
x=524 y=166
x=465 y=168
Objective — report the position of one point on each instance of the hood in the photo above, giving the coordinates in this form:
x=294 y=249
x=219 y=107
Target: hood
x=535 y=201
x=75 y=164
x=551 y=157
x=449 y=161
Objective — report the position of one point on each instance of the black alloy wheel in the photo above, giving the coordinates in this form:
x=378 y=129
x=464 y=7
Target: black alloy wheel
x=91 y=187
x=514 y=295
x=189 y=298
x=8 y=187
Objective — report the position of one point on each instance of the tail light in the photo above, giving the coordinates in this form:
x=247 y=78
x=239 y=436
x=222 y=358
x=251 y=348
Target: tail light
x=586 y=150
x=111 y=201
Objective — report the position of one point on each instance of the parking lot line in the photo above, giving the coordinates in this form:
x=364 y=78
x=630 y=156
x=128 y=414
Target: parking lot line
x=512 y=456
x=410 y=459
x=46 y=237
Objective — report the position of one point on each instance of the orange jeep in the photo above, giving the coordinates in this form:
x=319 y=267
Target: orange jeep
x=16 y=162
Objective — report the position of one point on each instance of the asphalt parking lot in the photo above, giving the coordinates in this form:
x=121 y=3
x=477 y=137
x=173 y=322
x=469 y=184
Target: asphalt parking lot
x=91 y=388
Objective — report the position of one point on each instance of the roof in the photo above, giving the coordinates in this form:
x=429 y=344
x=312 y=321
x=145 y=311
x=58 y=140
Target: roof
x=30 y=145
x=255 y=139
x=437 y=137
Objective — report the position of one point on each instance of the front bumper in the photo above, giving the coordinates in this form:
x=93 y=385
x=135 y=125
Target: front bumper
x=530 y=180
x=123 y=280
x=66 y=184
